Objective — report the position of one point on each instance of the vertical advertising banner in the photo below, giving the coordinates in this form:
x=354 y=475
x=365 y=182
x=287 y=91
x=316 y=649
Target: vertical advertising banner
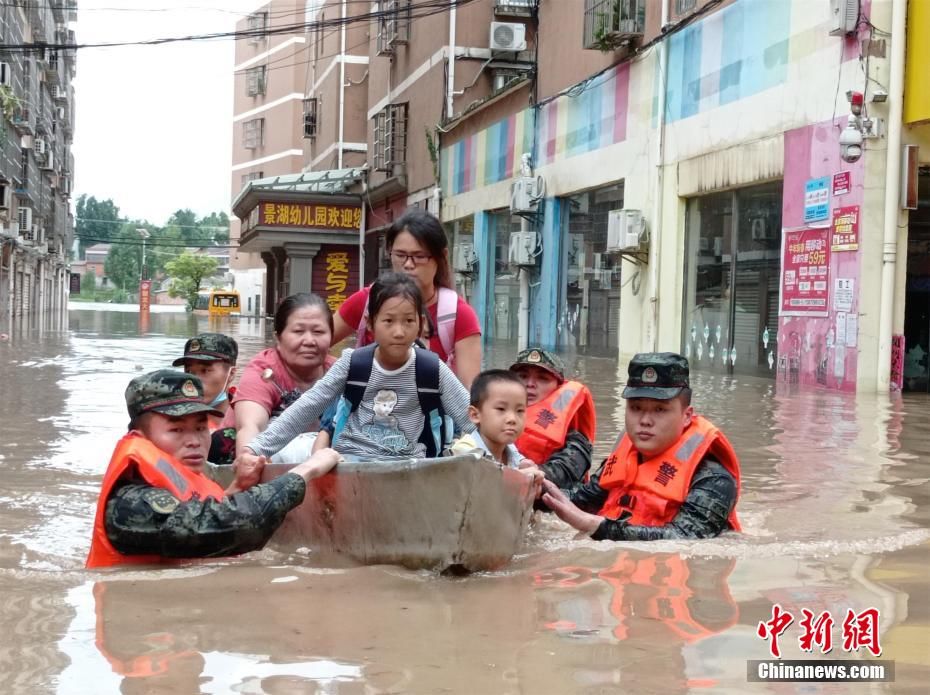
x=805 y=272
x=845 y=230
x=145 y=295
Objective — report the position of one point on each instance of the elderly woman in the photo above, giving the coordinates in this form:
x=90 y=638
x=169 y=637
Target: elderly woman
x=277 y=376
x=418 y=247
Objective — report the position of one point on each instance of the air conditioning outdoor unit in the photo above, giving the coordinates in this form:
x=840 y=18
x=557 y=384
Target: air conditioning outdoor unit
x=523 y=248
x=625 y=230
x=60 y=113
x=524 y=196
x=6 y=75
x=844 y=16
x=40 y=147
x=703 y=244
x=718 y=246
x=463 y=257
x=508 y=36
x=4 y=195
x=49 y=162
x=60 y=93
x=25 y=221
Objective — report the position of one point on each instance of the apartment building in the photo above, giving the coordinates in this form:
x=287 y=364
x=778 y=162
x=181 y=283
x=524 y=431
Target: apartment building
x=36 y=165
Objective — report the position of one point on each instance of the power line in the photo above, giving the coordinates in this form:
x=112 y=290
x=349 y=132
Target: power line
x=168 y=224
x=154 y=244
x=429 y=7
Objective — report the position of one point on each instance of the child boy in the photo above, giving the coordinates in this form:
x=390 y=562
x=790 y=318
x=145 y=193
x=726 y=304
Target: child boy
x=560 y=418
x=212 y=358
x=156 y=503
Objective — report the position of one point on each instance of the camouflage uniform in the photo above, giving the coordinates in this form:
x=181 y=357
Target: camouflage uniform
x=141 y=519
x=713 y=490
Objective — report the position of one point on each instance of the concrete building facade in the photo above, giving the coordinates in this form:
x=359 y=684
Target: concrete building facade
x=36 y=165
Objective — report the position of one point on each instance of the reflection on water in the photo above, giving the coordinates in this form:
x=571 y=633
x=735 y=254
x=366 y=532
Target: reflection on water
x=835 y=504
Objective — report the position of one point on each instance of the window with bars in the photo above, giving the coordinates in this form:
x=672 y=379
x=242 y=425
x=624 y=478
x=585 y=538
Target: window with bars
x=257 y=24
x=252 y=176
x=390 y=137
x=253 y=133
x=255 y=81
x=393 y=25
x=684 y=6
x=310 y=117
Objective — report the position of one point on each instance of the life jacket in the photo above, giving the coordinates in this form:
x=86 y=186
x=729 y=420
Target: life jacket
x=156 y=468
x=549 y=420
x=446 y=310
x=437 y=428
x=650 y=493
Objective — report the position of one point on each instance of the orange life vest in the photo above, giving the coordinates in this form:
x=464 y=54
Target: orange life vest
x=654 y=490
x=570 y=406
x=157 y=469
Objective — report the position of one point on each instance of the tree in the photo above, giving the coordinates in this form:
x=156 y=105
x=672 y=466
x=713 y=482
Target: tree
x=188 y=271
x=88 y=282
x=97 y=221
x=217 y=223
x=124 y=261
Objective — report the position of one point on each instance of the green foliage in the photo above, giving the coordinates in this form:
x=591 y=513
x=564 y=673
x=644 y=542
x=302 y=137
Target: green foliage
x=95 y=221
x=124 y=262
x=88 y=282
x=188 y=271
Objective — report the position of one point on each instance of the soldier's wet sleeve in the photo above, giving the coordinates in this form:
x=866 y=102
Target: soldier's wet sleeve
x=588 y=496
x=703 y=514
x=567 y=466
x=145 y=520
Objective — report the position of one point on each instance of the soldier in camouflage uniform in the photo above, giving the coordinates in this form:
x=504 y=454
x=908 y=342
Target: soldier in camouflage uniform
x=156 y=502
x=211 y=357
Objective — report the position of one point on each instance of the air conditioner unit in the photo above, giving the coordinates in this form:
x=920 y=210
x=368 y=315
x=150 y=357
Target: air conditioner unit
x=60 y=113
x=844 y=17
x=25 y=221
x=606 y=279
x=60 y=93
x=508 y=36
x=40 y=147
x=761 y=230
x=625 y=230
x=49 y=162
x=523 y=248
x=4 y=195
x=703 y=244
x=524 y=196
x=6 y=75
x=463 y=257
x=718 y=246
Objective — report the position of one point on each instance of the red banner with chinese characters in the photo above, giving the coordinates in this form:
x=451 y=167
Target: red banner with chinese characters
x=845 y=234
x=345 y=218
x=145 y=295
x=805 y=272
x=335 y=273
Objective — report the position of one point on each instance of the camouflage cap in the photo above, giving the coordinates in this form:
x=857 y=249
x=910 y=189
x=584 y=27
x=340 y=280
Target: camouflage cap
x=167 y=391
x=544 y=359
x=209 y=347
x=659 y=375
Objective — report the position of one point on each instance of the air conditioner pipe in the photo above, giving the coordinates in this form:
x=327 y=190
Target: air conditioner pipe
x=892 y=195
x=450 y=89
x=523 y=316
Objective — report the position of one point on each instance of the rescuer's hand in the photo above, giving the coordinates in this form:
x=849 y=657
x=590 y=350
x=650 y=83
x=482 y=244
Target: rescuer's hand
x=556 y=500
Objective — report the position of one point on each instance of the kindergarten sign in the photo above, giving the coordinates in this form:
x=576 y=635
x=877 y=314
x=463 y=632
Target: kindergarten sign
x=805 y=272
x=845 y=229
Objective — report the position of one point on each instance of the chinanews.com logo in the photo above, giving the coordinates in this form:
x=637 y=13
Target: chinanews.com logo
x=860 y=633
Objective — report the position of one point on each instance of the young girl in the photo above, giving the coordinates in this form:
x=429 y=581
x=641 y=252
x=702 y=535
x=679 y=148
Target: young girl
x=387 y=418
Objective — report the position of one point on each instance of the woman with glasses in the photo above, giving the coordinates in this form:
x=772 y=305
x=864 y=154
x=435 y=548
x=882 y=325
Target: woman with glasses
x=418 y=247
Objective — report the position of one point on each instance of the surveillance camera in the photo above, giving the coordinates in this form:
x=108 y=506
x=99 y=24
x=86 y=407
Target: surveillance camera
x=851 y=141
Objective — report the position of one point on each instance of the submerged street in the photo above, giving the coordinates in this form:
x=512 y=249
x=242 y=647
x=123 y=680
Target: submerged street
x=835 y=510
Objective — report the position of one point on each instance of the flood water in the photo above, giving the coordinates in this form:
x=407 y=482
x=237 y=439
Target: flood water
x=835 y=510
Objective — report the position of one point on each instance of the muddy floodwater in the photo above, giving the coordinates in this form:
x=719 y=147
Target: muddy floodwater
x=835 y=510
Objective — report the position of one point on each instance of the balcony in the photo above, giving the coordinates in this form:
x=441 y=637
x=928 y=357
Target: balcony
x=611 y=24
x=22 y=120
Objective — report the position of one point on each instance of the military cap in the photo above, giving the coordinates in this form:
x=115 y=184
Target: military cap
x=209 y=347
x=169 y=392
x=660 y=375
x=544 y=359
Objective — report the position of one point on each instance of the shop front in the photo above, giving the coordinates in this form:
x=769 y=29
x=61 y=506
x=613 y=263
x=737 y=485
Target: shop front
x=307 y=229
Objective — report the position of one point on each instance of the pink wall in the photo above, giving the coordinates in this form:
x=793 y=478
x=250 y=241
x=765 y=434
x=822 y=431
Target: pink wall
x=813 y=152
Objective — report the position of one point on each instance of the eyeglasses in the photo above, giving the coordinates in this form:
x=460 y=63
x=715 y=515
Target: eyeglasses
x=417 y=258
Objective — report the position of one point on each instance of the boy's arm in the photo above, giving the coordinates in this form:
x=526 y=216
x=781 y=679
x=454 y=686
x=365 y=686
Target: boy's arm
x=305 y=410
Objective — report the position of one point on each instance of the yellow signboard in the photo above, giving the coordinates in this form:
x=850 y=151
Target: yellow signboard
x=916 y=84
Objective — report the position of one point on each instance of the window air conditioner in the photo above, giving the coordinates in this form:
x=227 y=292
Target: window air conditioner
x=508 y=36
x=463 y=257
x=25 y=221
x=523 y=248
x=625 y=230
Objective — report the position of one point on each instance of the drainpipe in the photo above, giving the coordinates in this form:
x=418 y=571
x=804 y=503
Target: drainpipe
x=523 y=317
x=450 y=111
x=342 y=84
x=892 y=194
x=656 y=231
x=361 y=233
